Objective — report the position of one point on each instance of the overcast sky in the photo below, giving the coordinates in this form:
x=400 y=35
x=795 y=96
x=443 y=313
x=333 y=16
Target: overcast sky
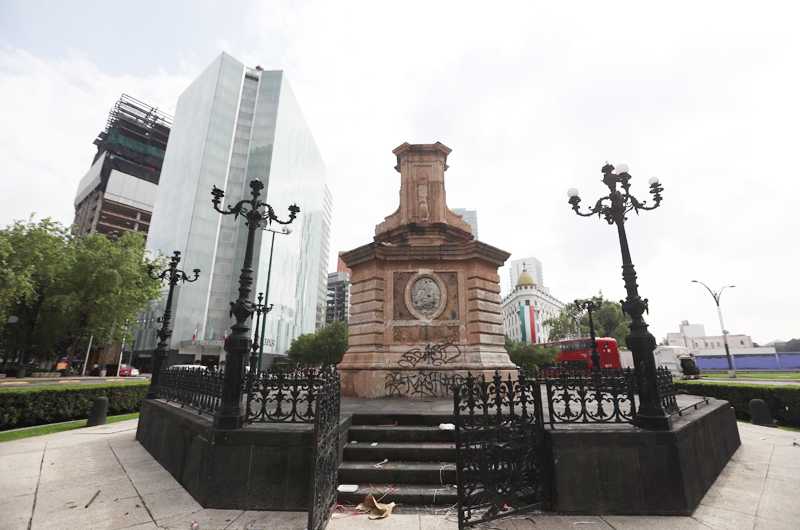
x=533 y=98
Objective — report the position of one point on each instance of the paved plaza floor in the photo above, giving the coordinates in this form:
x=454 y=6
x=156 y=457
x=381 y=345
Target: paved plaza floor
x=100 y=478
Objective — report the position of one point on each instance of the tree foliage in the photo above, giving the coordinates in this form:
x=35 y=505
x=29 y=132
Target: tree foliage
x=62 y=289
x=609 y=321
x=327 y=346
x=790 y=346
x=530 y=356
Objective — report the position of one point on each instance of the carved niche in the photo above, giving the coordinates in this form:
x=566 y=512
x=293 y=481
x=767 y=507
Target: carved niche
x=426 y=296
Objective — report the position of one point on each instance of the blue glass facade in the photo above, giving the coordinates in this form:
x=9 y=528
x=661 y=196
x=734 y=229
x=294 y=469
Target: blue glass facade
x=232 y=125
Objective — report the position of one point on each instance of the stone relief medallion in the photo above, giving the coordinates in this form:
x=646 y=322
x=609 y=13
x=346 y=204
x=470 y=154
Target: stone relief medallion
x=426 y=296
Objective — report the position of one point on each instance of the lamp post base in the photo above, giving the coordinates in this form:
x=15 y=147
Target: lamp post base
x=653 y=422
x=732 y=374
x=229 y=419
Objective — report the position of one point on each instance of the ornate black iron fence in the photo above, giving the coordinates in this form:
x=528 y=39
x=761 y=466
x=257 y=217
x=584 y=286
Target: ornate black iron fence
x=325 y=480
x=197 y=388
x=499 y=448
x=284 y=395
x=667 y=390
x=600 y=397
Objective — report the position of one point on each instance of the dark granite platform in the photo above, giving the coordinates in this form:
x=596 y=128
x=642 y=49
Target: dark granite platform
x=593 y=468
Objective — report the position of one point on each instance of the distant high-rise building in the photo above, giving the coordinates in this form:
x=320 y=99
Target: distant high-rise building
x=119 y=190
x=234 y=124
x=338 y=305
x=325 y=252
x=526 y=309
x=534 y=268
x=470 y=216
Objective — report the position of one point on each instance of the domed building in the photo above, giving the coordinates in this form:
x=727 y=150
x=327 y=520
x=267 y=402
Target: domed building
x=526 y=308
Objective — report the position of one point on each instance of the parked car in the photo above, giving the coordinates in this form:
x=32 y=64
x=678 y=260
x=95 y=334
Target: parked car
x=126 y=370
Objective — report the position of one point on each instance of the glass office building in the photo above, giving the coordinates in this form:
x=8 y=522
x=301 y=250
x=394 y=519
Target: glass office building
x=232 y=125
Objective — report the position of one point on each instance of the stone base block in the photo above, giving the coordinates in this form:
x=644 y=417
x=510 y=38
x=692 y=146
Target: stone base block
x=634 y=472
x=258 y=467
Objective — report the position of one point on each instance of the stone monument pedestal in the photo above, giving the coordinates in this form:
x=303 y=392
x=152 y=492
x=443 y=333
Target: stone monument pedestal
x=425 y=297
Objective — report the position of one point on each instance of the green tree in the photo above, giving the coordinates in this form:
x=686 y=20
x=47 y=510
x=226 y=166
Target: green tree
x=609 y=320
x=64 y=288
x=530 y=356
x=107 y=285
x=327 y=346
x=33 y=257
x=664 y=342
x=790 y=346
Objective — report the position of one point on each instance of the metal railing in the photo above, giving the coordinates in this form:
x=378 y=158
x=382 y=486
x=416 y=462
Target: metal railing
x=196 y=388
x=284 y=395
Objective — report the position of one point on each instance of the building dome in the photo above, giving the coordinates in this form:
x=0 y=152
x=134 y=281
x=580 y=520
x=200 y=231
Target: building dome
x=525 y=279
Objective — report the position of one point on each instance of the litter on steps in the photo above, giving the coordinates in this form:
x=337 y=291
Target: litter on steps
x=376 y=509
x=447 y=426
x=348 y=488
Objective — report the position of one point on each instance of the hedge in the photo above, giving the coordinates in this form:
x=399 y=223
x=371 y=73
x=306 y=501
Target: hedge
x=783 y=400
x=25 y=407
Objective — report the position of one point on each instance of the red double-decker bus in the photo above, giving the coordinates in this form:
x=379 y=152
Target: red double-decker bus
x=576 y=354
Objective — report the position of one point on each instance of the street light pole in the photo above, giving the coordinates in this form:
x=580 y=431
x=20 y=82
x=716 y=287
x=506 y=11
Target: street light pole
x=260 y=309
x=173 y=275
x=285 y=231
x=122 y=350
x=238 y=343
x=590 y=306
x=651 y=414
x=717 y=295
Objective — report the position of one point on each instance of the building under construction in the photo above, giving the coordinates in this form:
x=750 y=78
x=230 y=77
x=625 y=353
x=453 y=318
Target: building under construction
x=118 y=192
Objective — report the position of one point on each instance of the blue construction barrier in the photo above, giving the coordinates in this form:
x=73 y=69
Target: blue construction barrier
x=783 y=361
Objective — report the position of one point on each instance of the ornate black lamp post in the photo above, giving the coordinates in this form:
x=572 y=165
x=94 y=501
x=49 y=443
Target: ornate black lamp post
x=589 y=306
x=238 y=344
x=260 y=309
x=173 y=275
x=642 y=343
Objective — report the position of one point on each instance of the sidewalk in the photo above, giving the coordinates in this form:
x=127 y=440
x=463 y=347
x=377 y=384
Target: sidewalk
x=46 y=483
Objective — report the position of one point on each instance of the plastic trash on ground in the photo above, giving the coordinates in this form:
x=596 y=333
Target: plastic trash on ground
x=348 y=488
x=447 y=426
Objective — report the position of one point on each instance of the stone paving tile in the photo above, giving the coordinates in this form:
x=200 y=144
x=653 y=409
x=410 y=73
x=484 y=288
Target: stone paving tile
x=207 y=519
x=252 y=520
x=732 y=499
x=393 y=522
x=150 y=477
x=786 y=457
x=780 y=502
x=744 y=454
x=619 y=522
x=769 y=524
x=756 y=447
x=129 y=452
x=15 y=512
x=58 y=481
x=78 y=496
x=18 y=486
x=787 y=474
x=720 y=519
x=111 y=515
x=171 y=503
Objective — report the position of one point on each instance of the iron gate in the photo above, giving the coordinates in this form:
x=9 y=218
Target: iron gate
x=500 y=454
x=325 y=478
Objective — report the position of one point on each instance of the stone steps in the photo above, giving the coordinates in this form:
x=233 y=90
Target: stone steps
x=420 y=467
x=440 y=473
x=398 y=451
x=404 y=433
x=421 y=494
